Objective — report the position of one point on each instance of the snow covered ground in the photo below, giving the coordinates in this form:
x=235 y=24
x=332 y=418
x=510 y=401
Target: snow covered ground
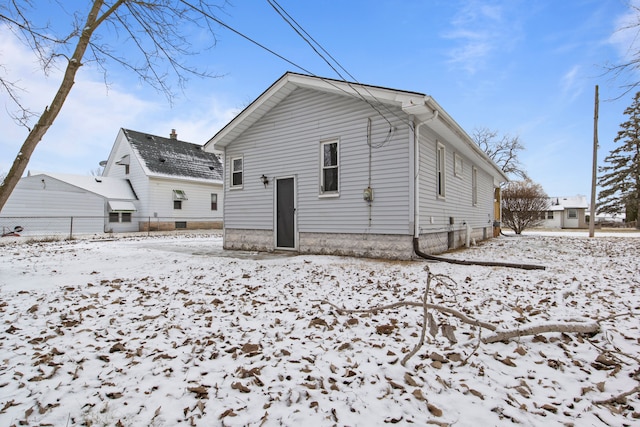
x=172 y=330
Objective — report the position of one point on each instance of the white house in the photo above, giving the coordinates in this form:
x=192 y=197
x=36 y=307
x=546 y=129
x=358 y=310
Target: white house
x=148 y=183
x=566 y=212
x=323 y=166
x=178 y=184
x=56 y=203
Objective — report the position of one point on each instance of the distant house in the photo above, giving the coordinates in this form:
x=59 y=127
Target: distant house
x=55 y=203
x=566 y=212
x=148 y=183
x=323 y=166
x=178 y=184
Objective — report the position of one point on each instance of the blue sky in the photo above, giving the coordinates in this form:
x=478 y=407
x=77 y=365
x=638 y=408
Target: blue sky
x=522 y=68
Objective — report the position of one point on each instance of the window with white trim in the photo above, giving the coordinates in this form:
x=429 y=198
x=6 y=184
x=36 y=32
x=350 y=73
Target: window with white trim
x=440 y=170
x=237 y=172
x=572 y=213
x=214 y=202
x=474 y=186
x=458 y=165
x=329 y=167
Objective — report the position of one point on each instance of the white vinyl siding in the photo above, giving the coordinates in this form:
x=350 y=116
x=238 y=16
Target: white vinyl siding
x=435 y=211
x=286 y=142
x=196 y=204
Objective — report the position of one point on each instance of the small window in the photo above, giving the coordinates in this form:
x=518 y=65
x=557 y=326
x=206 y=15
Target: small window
x=549 y=214
x=179 y=195
x=474 y=186
x=177 y=204
x=457 y=165
x=572 y=213
x=114 y=217
x=440 y=170
x=126 y=217
x=329 y=165
x=214 y=202
x=236 y=172
x=126 y=169
x=181 y=224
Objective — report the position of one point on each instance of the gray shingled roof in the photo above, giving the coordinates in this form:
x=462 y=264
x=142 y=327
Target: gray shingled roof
x=172 y=157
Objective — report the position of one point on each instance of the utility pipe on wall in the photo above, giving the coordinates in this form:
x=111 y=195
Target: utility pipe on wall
x=416 y=186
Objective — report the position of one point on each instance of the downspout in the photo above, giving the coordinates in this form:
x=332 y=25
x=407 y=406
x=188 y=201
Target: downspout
x=416 y=213
x=416 y=168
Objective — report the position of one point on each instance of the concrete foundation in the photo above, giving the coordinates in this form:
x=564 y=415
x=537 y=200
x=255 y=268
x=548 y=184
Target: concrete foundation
x=385 y=246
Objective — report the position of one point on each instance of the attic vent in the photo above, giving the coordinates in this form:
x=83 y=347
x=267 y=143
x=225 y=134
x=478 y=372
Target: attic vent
x=150 y=137
x=98 y=179
x=179 y=195
x=211 y=168
x=162 y=159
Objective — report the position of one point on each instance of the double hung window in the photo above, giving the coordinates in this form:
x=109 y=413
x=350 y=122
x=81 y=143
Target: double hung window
x=329 y=167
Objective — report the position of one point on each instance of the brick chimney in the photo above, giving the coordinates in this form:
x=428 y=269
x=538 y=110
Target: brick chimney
x=173 y=134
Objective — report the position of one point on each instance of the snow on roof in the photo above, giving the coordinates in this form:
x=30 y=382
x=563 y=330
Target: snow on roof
x=105 y=186
x=561 y=203
x=172 y=157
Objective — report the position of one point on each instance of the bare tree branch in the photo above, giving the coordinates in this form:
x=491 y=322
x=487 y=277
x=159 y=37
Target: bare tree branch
x=151 y=38
x=503 y=150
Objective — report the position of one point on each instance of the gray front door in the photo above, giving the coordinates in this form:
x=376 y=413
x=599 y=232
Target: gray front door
x=285 y=213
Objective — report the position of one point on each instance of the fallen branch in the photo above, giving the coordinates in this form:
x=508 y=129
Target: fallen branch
x=619 y=398
x=425 y=318
x=440 y=308
x=580 y=328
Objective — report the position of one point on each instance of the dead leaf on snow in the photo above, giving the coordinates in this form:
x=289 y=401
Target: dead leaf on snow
x=318 y=322
x=417 y=393
x=409 y=380
x=384 y=329
x=435 y=411
x=250 y=349
x=200 y=391
x=228 y=413
x=520 y=350
x=117 y=347
x=240 y=387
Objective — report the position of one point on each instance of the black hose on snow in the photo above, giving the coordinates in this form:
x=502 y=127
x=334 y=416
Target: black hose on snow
x=416 y=249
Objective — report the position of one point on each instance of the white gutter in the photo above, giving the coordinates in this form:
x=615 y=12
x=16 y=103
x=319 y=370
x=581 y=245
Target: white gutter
x=416 y=185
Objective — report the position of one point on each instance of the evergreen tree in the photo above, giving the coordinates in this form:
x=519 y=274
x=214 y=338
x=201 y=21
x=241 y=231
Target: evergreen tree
x=620 y=179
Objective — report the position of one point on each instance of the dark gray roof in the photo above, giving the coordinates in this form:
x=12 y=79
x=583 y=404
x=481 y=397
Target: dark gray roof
x=172 y=157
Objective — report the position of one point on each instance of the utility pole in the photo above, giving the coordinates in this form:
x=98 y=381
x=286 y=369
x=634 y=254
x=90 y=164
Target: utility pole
x=592 y=213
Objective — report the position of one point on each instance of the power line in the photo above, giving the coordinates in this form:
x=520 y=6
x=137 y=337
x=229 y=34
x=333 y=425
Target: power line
x=219 y=22
x=299 y=30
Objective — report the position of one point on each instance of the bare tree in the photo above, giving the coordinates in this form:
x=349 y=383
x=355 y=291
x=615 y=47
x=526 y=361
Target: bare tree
x=523 y=205
x=627 y=70
x=503 y=150
x=149 y=38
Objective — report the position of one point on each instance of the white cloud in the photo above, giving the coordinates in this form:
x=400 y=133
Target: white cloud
x=571 y=86
x=478 y=30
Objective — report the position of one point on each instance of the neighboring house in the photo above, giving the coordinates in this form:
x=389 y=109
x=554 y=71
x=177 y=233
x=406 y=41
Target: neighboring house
x=322 y=166
x=55 y=203
x=566 y=212
x=178 y=184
